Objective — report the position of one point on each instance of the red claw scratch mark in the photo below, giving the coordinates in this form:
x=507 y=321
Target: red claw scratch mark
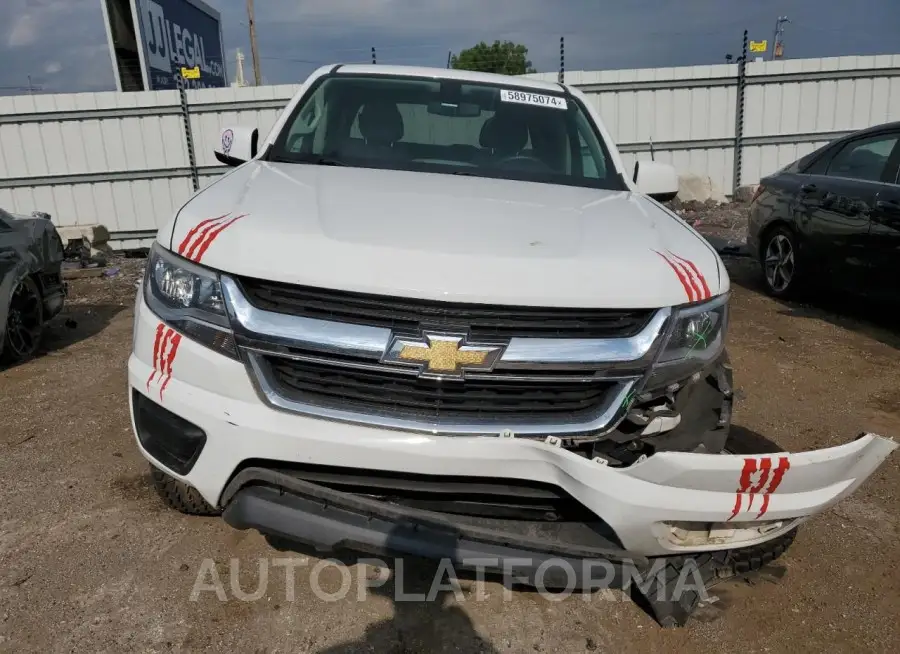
x=212 y=236
x=191 y=234
x=746 y=473
x=200 y=237
x=167 y=372
x=765 y=466
x=165 y=348
x=697 y=274
x=678 y=273
x=783 y=466
x=766 y=484
x=156 y=343
x=693 y=281
x=698 y=294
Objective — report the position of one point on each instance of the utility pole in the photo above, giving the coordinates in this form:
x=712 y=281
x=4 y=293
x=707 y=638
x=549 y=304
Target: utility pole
x=254 y=53
x=778 y=39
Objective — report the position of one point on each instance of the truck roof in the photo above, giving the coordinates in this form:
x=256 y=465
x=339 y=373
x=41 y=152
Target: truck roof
x=449 y=73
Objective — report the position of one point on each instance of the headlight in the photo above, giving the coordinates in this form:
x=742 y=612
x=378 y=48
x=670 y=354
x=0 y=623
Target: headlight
x=188 y=298
x=696 y=338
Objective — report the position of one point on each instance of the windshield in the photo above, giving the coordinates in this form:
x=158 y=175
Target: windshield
x=446 y=126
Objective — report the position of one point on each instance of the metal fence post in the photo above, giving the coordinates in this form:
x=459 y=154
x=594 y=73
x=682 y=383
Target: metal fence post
x=562 y=60
x=188 y=134
x=739 y=116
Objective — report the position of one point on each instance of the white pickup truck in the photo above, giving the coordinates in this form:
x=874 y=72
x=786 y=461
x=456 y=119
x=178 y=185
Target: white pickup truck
x=432 y=313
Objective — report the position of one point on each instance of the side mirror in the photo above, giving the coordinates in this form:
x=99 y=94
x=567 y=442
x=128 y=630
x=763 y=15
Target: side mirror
x=237 y=145
x=658 y=180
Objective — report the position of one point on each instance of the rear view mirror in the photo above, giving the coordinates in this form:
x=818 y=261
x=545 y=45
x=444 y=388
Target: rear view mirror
x=658 y=180
x=454 y=110
x=237 y=145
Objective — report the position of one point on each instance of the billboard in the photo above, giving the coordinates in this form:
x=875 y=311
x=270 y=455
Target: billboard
x=152 y=40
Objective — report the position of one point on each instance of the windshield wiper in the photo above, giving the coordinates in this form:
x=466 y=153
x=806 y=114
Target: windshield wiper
x=326 y=161
x=315 y=160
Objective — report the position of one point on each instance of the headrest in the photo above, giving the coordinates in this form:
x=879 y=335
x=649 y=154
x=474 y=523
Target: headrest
x=505 y=133
x=381 y=123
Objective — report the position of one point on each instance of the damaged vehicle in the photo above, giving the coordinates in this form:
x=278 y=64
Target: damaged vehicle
x=432 y=313
x=31 y=287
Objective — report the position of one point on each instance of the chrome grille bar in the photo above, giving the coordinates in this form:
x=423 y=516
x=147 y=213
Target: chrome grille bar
x=361 y=340
x=622 y=362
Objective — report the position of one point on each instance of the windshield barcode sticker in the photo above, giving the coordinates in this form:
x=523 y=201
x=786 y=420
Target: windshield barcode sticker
x=523 y=97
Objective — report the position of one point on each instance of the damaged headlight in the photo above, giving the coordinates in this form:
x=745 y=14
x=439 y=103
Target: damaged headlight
x=188 y=298
x=695 y=339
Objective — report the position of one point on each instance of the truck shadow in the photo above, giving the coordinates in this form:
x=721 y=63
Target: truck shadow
x=742 y=440
x=843 y=310
x=76 y=323
x=426 y=615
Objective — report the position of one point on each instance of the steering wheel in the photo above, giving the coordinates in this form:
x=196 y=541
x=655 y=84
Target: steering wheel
x=524 y=162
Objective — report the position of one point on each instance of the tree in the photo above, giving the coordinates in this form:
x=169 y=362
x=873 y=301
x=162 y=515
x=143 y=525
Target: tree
x=506 y=58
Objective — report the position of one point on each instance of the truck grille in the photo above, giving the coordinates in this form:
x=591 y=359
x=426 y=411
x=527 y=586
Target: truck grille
x=397 y=393
x=480 y=321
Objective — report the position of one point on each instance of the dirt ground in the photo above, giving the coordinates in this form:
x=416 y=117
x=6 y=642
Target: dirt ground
x=90 y=560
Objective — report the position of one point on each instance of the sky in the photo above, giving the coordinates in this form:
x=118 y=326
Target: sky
x=61 y=44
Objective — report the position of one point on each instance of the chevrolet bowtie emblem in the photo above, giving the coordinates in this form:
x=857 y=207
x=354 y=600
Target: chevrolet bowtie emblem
x=442 y=355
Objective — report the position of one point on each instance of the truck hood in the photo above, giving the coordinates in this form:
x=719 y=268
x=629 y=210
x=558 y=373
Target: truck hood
x=446 y=237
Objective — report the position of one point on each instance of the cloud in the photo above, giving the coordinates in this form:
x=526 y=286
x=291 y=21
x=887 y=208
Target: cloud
x=23 y=32
x=296 y=36
x=44 y=33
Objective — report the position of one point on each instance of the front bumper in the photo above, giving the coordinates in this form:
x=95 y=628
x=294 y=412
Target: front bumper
x=300 y=512
x=669 y=503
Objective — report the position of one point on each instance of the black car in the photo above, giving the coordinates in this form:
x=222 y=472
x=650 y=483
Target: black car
x=31 y=286
x=833 y=217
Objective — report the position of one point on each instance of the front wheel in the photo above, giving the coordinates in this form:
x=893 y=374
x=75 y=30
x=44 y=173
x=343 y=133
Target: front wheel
x=779 y=258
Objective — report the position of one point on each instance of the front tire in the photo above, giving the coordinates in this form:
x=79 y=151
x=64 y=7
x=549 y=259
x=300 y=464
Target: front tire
x=179 y=496
x=671 y=608
x=780 y=261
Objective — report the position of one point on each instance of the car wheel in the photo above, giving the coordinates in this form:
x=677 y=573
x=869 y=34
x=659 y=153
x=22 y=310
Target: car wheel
x=24 y=322
x=779 y=260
